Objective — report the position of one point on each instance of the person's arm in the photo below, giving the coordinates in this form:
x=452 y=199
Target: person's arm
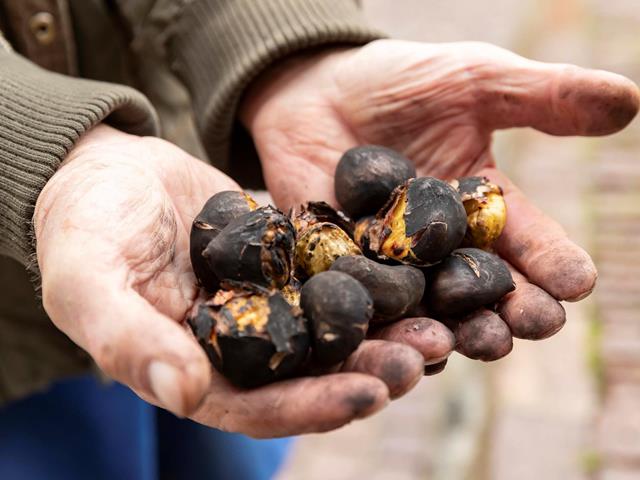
x=112 y=229
x=42 y=116
x=219 y=47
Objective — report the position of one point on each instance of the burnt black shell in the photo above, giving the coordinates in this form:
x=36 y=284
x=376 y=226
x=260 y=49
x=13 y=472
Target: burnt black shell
x=244 y=358
x=366 y=176
x=470 y=185
x=216 y=213
x=395 y=290
x=338 y=309
x=241 y=253
x=435 y=216
x=466 y=280
x=323 y=212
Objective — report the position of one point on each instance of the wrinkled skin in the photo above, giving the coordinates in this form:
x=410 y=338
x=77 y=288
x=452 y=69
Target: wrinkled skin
x=438 y=104
x=112 y=224
x=112 y=227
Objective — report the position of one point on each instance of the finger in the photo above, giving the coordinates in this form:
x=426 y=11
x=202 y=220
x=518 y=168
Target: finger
x=539 y=248
x=483 y=335
x=530 y=312
x=398 y=366
x=429 y=337
x=559 y=99
x=292 y=407
x=126 y=336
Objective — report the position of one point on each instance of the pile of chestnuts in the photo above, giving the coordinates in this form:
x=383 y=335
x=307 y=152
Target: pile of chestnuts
x=283 y=293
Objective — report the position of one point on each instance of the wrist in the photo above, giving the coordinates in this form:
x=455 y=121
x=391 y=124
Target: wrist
x=309 y=71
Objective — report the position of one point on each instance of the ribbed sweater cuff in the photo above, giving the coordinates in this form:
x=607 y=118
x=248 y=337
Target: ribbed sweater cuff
x=218 y=47
x=42 y=115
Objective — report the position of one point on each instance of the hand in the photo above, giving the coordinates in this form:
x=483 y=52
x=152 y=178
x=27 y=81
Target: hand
x=112 y=228
x=438 y=104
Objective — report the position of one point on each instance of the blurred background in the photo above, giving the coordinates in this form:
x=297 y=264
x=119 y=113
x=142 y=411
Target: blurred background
x=568 y=407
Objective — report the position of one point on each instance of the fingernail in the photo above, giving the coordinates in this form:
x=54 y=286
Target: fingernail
x=165 y=384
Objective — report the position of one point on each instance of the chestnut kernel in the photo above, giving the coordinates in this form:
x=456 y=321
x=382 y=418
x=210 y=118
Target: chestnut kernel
x=486 y=210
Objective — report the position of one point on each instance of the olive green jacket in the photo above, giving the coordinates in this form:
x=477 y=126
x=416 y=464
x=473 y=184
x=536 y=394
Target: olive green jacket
x=175 y=66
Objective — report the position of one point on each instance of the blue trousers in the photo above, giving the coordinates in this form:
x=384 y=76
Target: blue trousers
x=81 y=429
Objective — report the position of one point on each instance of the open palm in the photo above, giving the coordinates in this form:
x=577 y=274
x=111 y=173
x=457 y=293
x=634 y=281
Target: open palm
x=112 y=228
x=438 y=104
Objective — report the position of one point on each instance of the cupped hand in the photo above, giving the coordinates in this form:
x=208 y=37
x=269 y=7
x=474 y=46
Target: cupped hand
x=112 y=229
x=438 y=104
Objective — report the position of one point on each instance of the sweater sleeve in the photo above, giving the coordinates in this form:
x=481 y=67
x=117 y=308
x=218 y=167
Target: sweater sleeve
x=217 y=47
x=42 y=115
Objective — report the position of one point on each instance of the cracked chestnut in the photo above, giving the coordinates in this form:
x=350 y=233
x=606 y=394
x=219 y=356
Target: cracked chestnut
x=216 y=213
x=319 y=241
x=256 y=247
x=252 y=336
x=422 y=222
x=486 y=210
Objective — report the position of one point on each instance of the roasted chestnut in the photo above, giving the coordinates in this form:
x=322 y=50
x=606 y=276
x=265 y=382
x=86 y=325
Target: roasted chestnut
x=217 y=212
x=252 y=336
x=422 y=222
x=256 y=247
x=338 y=308
x=486 y=210
x=366 y=176
x=395 y=290
x=321 y=212
x=466 y=280
x=320 y=242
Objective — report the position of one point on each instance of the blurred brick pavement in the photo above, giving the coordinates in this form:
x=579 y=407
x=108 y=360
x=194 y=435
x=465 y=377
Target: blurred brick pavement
x=569 y=407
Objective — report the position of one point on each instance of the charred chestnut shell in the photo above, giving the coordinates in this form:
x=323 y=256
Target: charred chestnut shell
x=466 y=280
x=486 y=210
x=252 y=337
x=338 y=308
x=256 y=247
x=321 y=212
x=366 y=176
x=422 y=222
x=395 y=290
x=216 y=213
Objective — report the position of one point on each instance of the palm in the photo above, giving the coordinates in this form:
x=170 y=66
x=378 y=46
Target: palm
x=113 y=232
x=438 y=104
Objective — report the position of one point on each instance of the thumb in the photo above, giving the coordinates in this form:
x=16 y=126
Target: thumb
x=558 y=99
x=126 y=336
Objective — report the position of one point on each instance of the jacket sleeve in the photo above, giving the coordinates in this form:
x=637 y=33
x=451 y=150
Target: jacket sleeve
x=217 y=47
x=42 y=115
